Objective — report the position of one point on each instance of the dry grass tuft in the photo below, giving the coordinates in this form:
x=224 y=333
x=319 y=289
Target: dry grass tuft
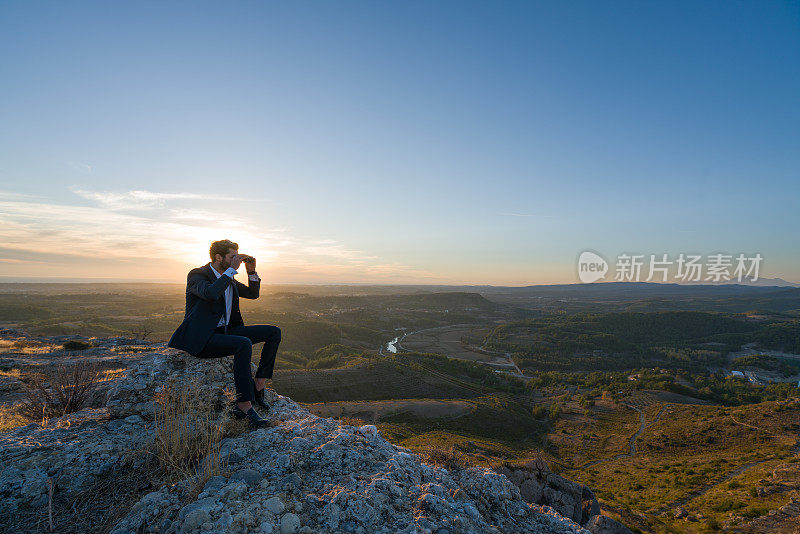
x=62 y=390
x=11 y=373
x=26 y=344
x=234 y=427
x=231 y=426
x=111 y=374
x=352 y=421
x=188 y=436
x=449 y=457
x=11 y=418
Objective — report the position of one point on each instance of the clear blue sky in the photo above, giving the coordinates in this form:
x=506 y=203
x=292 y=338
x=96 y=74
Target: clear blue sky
x=441 y=142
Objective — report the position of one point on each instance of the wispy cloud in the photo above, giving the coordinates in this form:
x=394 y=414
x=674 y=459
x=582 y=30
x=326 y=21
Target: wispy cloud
x=81 y=167
x=136 y=200
x=10 y=195
x=19 y=261
x=333 y=250
x=185 y=214
x=78 y=230
x=63 y=235
x=299 y=269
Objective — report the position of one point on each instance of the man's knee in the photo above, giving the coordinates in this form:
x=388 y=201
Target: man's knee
x=243 y=344
x=270 y=332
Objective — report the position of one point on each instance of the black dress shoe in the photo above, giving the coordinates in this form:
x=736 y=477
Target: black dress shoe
x=260 y=396
x=252 y=417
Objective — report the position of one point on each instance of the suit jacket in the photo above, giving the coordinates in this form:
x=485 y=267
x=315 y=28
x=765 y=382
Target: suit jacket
x=205 y=306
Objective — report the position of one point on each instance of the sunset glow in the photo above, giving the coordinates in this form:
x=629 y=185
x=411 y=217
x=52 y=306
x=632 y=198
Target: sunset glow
x=404 y=143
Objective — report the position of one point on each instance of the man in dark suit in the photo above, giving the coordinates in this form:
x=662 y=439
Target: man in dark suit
x=213 y=327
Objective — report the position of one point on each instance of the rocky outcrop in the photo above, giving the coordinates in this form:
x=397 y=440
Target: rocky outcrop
x=600 y=524
x=538 y=485
x=135 y=394
x=784 y=520
x=784 y=480
x=72 y=451
x=304 y=474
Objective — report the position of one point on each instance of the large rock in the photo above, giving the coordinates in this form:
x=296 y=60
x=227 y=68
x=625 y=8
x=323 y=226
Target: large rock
x=601 y=524
x=537 y=484
x=72 y=451
x=304 y=474
x=135 y=394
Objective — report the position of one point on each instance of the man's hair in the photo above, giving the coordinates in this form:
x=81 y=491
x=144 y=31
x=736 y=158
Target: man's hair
x=221 y=248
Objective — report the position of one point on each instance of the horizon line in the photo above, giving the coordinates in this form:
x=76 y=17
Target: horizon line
x=55 y=280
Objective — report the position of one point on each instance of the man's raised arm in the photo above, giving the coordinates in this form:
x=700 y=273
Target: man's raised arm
x=199 y=285
x=253 y=287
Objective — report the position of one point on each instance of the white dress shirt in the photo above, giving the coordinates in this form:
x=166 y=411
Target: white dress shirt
x=230 y=271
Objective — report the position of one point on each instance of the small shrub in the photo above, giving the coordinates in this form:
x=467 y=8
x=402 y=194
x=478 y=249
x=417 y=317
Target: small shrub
x=324 y=362
x=539 y=412
x=752 y=513
x=727 y=505
x=26 y=344
x=73 y=344
x=70 y=389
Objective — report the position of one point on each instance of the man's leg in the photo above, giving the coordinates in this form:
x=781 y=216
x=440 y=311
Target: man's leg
x=271 y=336
x=242 y=349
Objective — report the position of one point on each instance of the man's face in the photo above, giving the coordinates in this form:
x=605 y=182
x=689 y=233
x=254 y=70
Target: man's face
x=226 y=261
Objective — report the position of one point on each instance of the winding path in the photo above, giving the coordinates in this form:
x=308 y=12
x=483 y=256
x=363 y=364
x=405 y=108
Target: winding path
x=696 y=493
x=701 y=491
x=643 y=424
x=735 y=472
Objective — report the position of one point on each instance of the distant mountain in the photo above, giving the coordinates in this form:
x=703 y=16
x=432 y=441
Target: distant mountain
x=761 y=282
x=643 y=296
x=772 y=282
x=648 y=288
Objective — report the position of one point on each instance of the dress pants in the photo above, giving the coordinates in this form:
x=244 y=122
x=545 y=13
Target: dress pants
x=238 y=340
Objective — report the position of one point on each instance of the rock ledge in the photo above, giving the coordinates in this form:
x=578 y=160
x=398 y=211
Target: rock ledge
x=305 y=474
